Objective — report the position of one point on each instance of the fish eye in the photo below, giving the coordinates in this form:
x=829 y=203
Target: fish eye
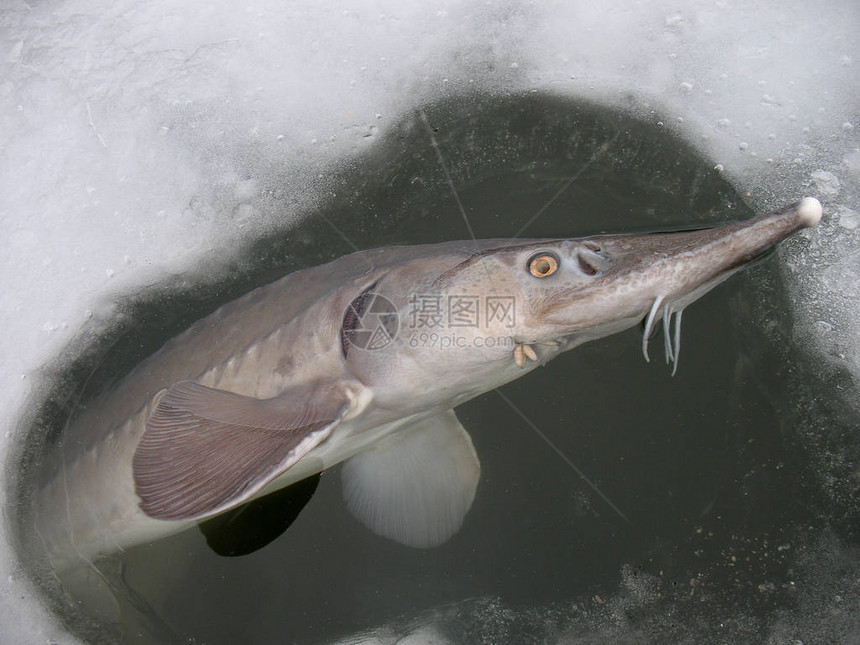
x=542 y=265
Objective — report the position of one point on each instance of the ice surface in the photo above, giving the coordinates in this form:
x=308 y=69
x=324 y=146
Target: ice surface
x=144 y=139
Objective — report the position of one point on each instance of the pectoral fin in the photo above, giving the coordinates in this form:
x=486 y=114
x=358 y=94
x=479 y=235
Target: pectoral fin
x=206 y=450
x=417 y=487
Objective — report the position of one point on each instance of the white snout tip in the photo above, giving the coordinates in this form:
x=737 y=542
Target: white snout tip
x=809 y=211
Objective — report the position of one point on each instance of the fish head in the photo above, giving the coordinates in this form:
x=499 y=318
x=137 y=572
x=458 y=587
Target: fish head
x=467 y=320
x=577 y=290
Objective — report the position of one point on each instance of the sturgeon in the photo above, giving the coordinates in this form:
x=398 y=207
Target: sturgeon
x=362 y=361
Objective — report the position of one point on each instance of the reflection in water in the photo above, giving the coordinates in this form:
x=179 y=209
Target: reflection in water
x=698 y=463
x=253 y=525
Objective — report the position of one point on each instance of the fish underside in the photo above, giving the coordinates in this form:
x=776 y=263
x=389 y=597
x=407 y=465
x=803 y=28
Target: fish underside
x=362 y=361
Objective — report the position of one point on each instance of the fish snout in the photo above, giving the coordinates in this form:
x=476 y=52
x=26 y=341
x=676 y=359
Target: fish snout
x=809 y=211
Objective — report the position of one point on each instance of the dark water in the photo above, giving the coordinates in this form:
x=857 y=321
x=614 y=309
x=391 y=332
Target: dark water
x=706 y=466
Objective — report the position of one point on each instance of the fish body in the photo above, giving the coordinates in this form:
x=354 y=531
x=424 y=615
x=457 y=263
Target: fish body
x=362 y=361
